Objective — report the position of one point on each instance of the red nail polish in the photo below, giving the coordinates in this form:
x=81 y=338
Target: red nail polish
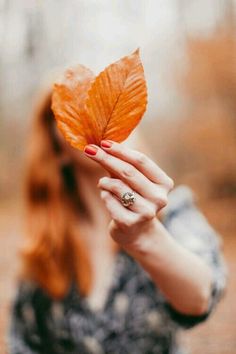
x=106 y=143
x=90 y=150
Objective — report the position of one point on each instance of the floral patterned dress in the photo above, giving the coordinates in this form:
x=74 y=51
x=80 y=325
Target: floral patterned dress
x=136 y=317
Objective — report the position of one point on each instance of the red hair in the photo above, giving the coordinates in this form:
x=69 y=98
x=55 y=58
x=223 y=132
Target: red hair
x=53 y=255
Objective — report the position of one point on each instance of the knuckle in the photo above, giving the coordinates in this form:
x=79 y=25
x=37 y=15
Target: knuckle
x=104 y=180
x=151 y=213
x=170 y=184
x=104 y=195
x=128 y=171
x=141 y=158
x=127 y=222
x=160 y=199
x=148 y=214
x=139 y=219
x=162 y=202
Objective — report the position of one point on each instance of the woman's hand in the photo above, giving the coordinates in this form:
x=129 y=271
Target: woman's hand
x=182 y=276
x=129 y=171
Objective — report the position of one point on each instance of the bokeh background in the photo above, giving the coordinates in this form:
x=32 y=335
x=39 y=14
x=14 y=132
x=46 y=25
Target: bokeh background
x=188 y=48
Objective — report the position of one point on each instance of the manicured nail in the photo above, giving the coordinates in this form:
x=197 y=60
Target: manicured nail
x=90 y=150
x=106 y=144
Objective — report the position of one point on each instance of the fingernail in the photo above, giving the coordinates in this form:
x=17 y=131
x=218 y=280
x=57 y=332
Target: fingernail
x=90 y=150
x=106 y=144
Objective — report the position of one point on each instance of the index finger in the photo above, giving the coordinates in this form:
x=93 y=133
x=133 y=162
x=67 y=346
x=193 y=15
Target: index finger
x=127 y=173
x=139 y=160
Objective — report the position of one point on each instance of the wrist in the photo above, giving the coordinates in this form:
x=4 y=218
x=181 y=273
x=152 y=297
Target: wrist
x=154 y=237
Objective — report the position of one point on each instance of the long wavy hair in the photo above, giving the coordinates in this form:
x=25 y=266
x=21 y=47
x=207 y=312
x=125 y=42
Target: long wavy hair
x=54 y=255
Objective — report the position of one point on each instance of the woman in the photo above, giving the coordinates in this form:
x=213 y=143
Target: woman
x=102 y=273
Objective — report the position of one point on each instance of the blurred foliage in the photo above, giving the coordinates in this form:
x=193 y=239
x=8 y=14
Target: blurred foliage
x=200 y=146
x=210 y=84
x=212 y=70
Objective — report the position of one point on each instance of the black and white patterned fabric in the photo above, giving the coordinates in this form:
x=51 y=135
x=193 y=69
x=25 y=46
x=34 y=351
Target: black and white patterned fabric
x=136 y=318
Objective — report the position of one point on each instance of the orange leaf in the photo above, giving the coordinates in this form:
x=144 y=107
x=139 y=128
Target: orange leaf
x=112 y=106
x=68 y=105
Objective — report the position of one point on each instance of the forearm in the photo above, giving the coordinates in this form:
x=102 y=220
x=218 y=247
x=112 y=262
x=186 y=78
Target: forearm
x=182 y=276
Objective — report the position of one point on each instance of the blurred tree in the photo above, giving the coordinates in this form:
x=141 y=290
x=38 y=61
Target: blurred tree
x=208 y=133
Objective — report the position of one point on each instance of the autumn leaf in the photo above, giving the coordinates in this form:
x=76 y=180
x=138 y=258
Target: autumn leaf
x=109 y=106
x=68 y=105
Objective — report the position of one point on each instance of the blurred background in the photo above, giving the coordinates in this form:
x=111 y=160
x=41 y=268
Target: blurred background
x=188 y=48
